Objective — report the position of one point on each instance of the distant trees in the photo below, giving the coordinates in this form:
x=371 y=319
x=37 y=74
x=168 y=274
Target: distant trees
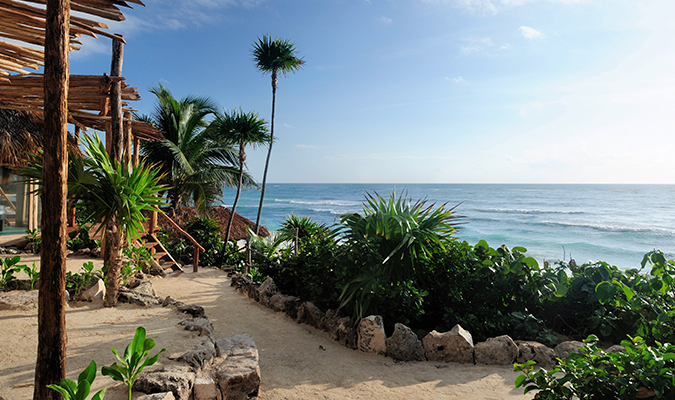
x=240 y=129
x=273 y=56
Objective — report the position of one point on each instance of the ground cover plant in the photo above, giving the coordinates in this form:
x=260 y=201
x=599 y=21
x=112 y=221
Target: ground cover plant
x=80 y=390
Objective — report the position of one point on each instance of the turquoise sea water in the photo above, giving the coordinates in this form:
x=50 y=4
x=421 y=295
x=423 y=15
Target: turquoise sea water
x=614 y=223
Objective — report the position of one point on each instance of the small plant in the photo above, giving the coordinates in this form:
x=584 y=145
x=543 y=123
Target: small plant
x=33 y=274
x=128 y=272
x=80 y=390
x=136 y=357
x=641 y=371
x=77 y=281
x=9 y=268
x=34 y=237
x=80 y=239
x=140 y=256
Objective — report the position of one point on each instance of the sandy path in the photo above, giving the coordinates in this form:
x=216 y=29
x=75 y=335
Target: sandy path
x=292 y=361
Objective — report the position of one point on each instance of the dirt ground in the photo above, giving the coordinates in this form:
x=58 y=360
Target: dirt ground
x=296 y=361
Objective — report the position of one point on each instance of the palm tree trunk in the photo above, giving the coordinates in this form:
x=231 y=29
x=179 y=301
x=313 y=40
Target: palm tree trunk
x=112 y=281
x=242 y=160
x=269 y=153
x=50 y=367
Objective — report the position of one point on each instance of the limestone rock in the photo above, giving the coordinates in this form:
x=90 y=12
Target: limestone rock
x=564 y=349
x=192 y=309
x=178 y=380
x=238 y=377
x=145 y=287
x=169 y=301
x=404 y=345
x=371 y=335
x=311 y=315
x=205 y=389
x=129 y=296
x=155 y=269
x=453 y=346
x=94 y=292
x=201 y=325
x=19 y=300
x=292 y=307
x=542 y=355
x=617 y=348
x=266 y=291
x=158 y=396
x=501 y=350
x=237 y=345
x=200 y=355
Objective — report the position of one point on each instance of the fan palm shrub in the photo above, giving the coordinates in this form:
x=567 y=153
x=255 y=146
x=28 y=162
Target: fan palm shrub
x=194 y=165
x=273 y=56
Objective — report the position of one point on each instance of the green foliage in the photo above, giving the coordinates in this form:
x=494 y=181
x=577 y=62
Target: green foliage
x=33 y=274
x=140 y=256
x=80 y=239
x=136 y=358
x=128 y=271
x=9 y=268
x=75 y=282
x=641 y=371
x=208 y=234
x=35 y=238
x=80 y=390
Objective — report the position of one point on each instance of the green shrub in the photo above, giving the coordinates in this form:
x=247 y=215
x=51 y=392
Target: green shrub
x=208 y=234
x=80 y=390
x=641 y=371
x=80 y=239
x=9 y=268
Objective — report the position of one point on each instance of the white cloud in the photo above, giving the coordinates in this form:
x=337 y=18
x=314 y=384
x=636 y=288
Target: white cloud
x=460 y=81
x=386 y=20
x=477 y=46
x=530 y=33
x=492 y=7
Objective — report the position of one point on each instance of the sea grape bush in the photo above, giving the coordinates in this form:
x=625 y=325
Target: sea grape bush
x=641 y=371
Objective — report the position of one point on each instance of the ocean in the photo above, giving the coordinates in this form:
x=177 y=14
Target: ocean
x=613 y=223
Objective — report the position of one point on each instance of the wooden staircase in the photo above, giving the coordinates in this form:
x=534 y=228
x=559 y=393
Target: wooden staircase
x=159 y=253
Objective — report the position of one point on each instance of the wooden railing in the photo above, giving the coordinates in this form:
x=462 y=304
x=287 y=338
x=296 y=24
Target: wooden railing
x=197 y=246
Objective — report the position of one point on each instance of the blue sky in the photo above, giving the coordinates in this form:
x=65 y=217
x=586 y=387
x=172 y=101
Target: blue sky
x=426 y=91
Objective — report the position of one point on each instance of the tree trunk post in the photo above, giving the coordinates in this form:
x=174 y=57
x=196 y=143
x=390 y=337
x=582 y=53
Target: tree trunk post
x=112 y=282
x=195 y=263
x=128 y=137
x=50 y=367
x=136 y=144
x=269 y=154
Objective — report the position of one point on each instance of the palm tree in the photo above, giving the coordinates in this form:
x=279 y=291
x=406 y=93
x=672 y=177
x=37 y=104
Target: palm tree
x=273 y=56
x=241 y=129
x=195 y=166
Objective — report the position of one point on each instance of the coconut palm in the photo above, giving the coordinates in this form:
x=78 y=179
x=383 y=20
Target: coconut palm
x=195 y=166
x=273 y=56
x=242 y=129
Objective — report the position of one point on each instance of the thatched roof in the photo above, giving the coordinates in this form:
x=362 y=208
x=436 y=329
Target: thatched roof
x=220 y=214
x=21 y=132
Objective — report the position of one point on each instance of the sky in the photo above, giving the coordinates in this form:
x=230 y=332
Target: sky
x=425 y=91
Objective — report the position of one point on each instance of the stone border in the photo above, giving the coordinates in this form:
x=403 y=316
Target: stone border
x=455 y=345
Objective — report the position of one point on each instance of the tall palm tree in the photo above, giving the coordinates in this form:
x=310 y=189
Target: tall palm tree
x=195 y=166
x=273 y=56
x=242 y=129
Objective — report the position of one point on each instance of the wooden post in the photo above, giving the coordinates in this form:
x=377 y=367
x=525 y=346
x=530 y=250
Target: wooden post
x=195 y=263
x=153 y=223
x=127 y=137
x=136 y=160
x=50 y=367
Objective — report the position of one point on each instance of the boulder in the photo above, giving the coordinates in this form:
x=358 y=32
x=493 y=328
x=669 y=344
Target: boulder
x=371 y=335
x=266 y=291
x=236 y=345
x=292 y=306
x=501 y=350
x=564 y=349
x=542 y=355
x=278 y=301
x=205 y=389
x=192 y=309
x=200 y=355
x=617 y=348
x=201 y=325
x=453 y=346
x=158 y=396
x=178 y=380
x=145 y=287
x=129 y=296
x=94 y=292
x=311 y=315
x=404 y=345
x=169 y=301
x=238 y=377
x=19 y=300
x=155 y=269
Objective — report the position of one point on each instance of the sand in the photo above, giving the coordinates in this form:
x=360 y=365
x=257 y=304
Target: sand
x=296 y=361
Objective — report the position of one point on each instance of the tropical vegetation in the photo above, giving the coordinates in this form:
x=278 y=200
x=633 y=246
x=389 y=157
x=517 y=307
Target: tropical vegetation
x=273 y=56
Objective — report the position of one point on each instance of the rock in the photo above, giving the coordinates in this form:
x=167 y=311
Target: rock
x=129 y=296
x=145 y=287
x=192 y=309
x=169 y=301
x=19 y=300
x=564 y=349
x=617 y=348
x=501 y=350
x=292 y=306
x=239 y=281
x=266 y=291
x=96 y=253
x=94 y=292
x=200 y=355
x=158 y=396
x=542 y=355
x=238 y=377
x=236 y=345
x=340 y=329
x=330 y=321
x=155 y=269
x=178 y=380
x=83 y=252
x=453 y=346
x=311 y=315
x=404 y=345
x=201 y=325
x=371 y=335
x=205 y=389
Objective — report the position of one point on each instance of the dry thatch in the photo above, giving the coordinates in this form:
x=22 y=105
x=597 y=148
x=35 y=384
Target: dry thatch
x=220 y=214
x=21 y=132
